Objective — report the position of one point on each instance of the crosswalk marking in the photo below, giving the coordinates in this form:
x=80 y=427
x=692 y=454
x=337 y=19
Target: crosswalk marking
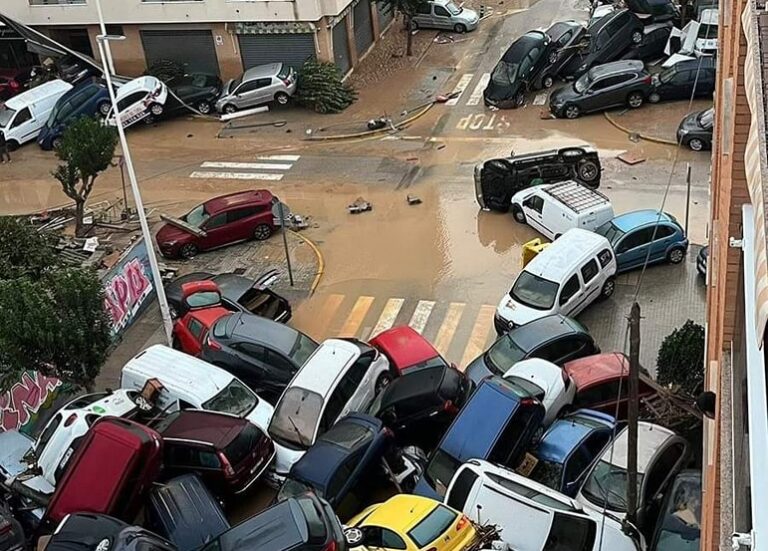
x=356 y=317
x=479 y=335
x=253 y=166
x=236 y=175
x=269 y=167
x=292 y=158
x=388 y=316
x=477 y=93
x=448 y=328
x=330 y=306
x=460 y=87
x=421 y=315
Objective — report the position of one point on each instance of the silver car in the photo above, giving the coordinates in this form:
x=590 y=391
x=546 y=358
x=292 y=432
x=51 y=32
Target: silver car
x=444 y=14
x=258 y=85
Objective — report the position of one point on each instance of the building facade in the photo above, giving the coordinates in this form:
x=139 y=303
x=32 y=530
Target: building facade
x=223 y=37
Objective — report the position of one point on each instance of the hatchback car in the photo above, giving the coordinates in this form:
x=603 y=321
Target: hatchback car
x=140 y=99
x=410 y=523
x=341 y=376
x=679 y=525
x=651 y=47
x=570 y=446
x=444 y=14
x=644 y=236
x=602 y=87
x=517 y=70
x=229 y=453
x=87 y=99
x=497 y=180
x=198 y=91
x=419 y=405
x=557 y=339
x=660 y=456
x=343 y=465
x=220 y=221
x=89 y=531
x=258 y=85
x=546 y=382
x=695 y=130
x=566 y=39
x=685 y=80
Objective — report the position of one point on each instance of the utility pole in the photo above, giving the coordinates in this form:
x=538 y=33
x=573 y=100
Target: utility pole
x=687 y=197
x=633 y=411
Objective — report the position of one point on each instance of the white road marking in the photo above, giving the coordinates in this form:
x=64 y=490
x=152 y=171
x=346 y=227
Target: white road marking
x=252 y=166
x=477 y=93
x=460 y=87
x=540 y=99
x=479 y=335
x=388 y=316
x=421 y=315
x=448 y=328
x=356 y=317
x=236 y=175
x=292 y=158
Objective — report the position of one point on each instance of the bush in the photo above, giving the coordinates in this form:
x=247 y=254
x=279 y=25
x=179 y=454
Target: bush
x=321 y=89
x=681 y=359
x=165 y=69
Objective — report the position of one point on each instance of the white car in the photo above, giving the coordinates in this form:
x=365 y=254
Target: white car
x=706 y=34
x=546 y=382
x=533 y=517
x=140 y=99
x=341 y=376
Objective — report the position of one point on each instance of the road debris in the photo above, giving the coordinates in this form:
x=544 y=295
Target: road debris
x=413 y=200
x=630 y=158
x=359 y=205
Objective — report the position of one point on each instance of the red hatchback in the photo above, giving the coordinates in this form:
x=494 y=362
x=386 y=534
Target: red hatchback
x=202 y=302
x=219 y=221
x=406 y=349
x=13 y=82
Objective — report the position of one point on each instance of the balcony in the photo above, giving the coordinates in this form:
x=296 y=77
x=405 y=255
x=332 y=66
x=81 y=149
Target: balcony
x=57 y=2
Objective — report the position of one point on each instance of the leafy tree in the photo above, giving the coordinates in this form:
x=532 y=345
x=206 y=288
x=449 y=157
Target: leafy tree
x=87 y=148
x=681 y=359
x=408 y=8
x=320 y=88
x=23 y=250
x=165 y=69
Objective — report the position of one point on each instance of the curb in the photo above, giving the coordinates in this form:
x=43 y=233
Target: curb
x=320 y=261
x=369 y=133
x=627 y=131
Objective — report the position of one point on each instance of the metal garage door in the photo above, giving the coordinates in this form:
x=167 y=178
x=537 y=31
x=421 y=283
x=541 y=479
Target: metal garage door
x=385 y=16
x=363 y=27
x=193 y=49
x=341 y=45
x=292 y=49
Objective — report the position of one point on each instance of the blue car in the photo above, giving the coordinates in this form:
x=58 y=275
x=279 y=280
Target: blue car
x=632 y=234
x=497 y=424
x=569 y=447
x=342 y=464
x=87 y=99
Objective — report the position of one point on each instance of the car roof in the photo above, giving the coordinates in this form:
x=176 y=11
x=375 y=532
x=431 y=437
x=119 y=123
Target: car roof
x=709 y=16
x=317 y=375
x=522 y=45
x=599 y=368
x=282 y=526
x=650 y=438
x=560 y=259
x=116 y=403
x=267 y=70
x=145 y=83
x=276 y=336
x=598 y=25
x=704 y=62
x=565 y=435
x=637 y=218
x=218 y=429
x=404 y=346
x=401 y=512
x=412 y=384
x=231 y=200
x=38 y=93
x=210 y=314
x=614 y=67
x=529 y=335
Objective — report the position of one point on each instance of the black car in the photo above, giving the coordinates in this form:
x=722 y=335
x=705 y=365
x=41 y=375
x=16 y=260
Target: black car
x=567 y=38
x=555 y=338
x=654 y=11
x=685 y=79
x=198 y=91
x=695 y=130
x=609 y=37
x=497 y=180
x=263 y=354
x=89 y=531
x=610 y=85
x=702 y=261
x=304 y=523
x=517 y=70
x=420 y=404
x=679 y=525
x=651 y=48
x=238 y=293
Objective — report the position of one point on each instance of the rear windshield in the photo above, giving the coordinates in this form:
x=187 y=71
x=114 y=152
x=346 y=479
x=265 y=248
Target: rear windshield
x=441 y=470
x=243 y=444
x=296 y=417
x=610 y=232
x=235 y=398
x=432 y=526
x=347 y=435
x=534 y=291
x=317 y=530
x=503 y=354
x=548 y=473
x=285 y=70
x=302 y=349
x=707 y=31
x=525 y=388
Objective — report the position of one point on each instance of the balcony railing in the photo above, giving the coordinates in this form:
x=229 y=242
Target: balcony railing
x=57 y=2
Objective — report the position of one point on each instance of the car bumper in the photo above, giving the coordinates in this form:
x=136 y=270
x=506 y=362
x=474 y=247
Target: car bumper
x=556 y=110
x=502 y=325
x=471 y=25
x=259 y=470
x=701 y=265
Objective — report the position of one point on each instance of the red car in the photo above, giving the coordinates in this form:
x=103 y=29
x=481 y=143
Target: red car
x=219 y=221
x=13 y=82
x=406 y=349
x=202 y=302
x=597 y=381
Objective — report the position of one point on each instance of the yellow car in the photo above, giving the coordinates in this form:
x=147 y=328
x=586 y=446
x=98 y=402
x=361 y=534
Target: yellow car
x=410 y=523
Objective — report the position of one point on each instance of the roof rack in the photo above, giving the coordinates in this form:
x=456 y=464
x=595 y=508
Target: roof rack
x=576 y=196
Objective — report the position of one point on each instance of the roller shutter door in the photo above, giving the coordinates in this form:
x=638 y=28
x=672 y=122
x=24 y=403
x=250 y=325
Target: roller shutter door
x=363 y=26
x=292 y=49
x=384 y=16
x=341 y=45
x=194 y=50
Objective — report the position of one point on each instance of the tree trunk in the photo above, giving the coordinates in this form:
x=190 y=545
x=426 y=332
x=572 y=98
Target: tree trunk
x=409 y=39
x=79 y=213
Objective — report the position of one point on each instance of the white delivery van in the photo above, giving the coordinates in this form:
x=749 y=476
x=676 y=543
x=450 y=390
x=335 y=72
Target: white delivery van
x=194 y=384
x=564 y=279
x=140 y=99
x=553 y=209
x=23 y=116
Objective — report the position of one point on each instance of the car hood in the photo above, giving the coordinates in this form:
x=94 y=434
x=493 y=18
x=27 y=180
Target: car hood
x=691 y=122
x=13 y=446
x=467 y=15
x=169 y=233
x=517 y=313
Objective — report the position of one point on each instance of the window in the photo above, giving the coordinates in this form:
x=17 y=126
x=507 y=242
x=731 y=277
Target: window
x=663 y=232
x=377 y=536
x=661 y=471
x=577 y=463
x=503 y=354
x=605 y=392
x=130 y=99
x=565 y=38
x=535 y=203
x=509 y=441
x=243 y=444
x=534 y=291
x=302 y=349
x=239 y=214
x=196 y=328
x=424 y=8
x=635 y=239
x=432 y=526
x=216 y=221
x=441 y=12
x=235 y=398
x=461 y=488
x=48 y=433
x=255 y=351
x=197 y=216
x=181 y=455
x=589 y=271
x=530 y=493
x=249 y=86
x=351 y=380
x=570 y=289
x=440 y=470
x=605 y=256
x=348 y=436
x=560 y=350
x=115 y=30
x=571 y=533
x=55 y=2
x=342 y=475
x=277 y=361
x=23 y=116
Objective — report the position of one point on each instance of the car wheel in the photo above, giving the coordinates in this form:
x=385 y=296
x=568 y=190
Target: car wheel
x=104 y=108
x=156 y=109
x=696 y=144
x=519 y=99
x=282 y=98
x=56 y=143
x=572 y=112
x=552 y=57
x=188 y=251
x=588 y=171
x=608 y=288
x=637 y=37
x=354 y=536
x=635 y=100
x=204 y=108
x=229 y=109
x=262 y=232
x=13 y=145
x=547 y=81
x=459 y=28
x=382 y=382
x=676 y=255
x=518 y=213
x=654 y=98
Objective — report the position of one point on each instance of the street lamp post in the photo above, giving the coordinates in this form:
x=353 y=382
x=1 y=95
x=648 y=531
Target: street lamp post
x=107 y=64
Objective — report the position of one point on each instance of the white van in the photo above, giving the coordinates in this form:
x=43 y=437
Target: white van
x=564 y=279
x=194 y=384
x=23 y=116
x=139 y=99
x=553 y=209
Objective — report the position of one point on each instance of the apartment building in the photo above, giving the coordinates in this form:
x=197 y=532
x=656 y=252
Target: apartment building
x=735 y=499
x=217 y=36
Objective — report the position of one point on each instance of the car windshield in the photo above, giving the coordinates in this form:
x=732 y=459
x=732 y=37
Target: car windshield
x=440 y=471
x=707 y=119
x=525 y=387
x=503 y=354
x=453 y=8
x=582 y=83
x=197 y=216
x=432 y=526
x=235 y=398
x=607 y=486
x=243 y=444
x=534 y=291
x=571 y=533
x=610 y=232
x=681 y=524
x=504 y=73
x=235 y=83
x=549 y=473
x=707 y=31
x=295 y=419
x=6 y=115
x=302 y=349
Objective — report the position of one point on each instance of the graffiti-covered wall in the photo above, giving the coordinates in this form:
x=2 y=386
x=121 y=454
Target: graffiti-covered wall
x=32 y=395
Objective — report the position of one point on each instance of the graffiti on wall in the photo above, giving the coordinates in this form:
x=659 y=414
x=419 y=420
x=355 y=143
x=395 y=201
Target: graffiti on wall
x=20 y=405
x=128 y=287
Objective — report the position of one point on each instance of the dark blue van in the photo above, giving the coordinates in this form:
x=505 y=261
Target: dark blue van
x=497 y=424
x=87 y=99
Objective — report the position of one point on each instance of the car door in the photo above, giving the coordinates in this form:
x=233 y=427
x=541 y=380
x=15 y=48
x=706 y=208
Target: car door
x=441 y=18
x=237 y=223
x=562 y=349
x=661 y=472
x=680 y=85
x=247 y=94
x=532 y=64
x=620 y=30
x=662 y=240
x=24 y=126
x=423 y=15
x=191 y=335
x=533 y=208
x=632 y=249
x=592 y=281
x=249 y=365
x=217 y=232
x=570 y=295
x=359 y=380
x=195 y=458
